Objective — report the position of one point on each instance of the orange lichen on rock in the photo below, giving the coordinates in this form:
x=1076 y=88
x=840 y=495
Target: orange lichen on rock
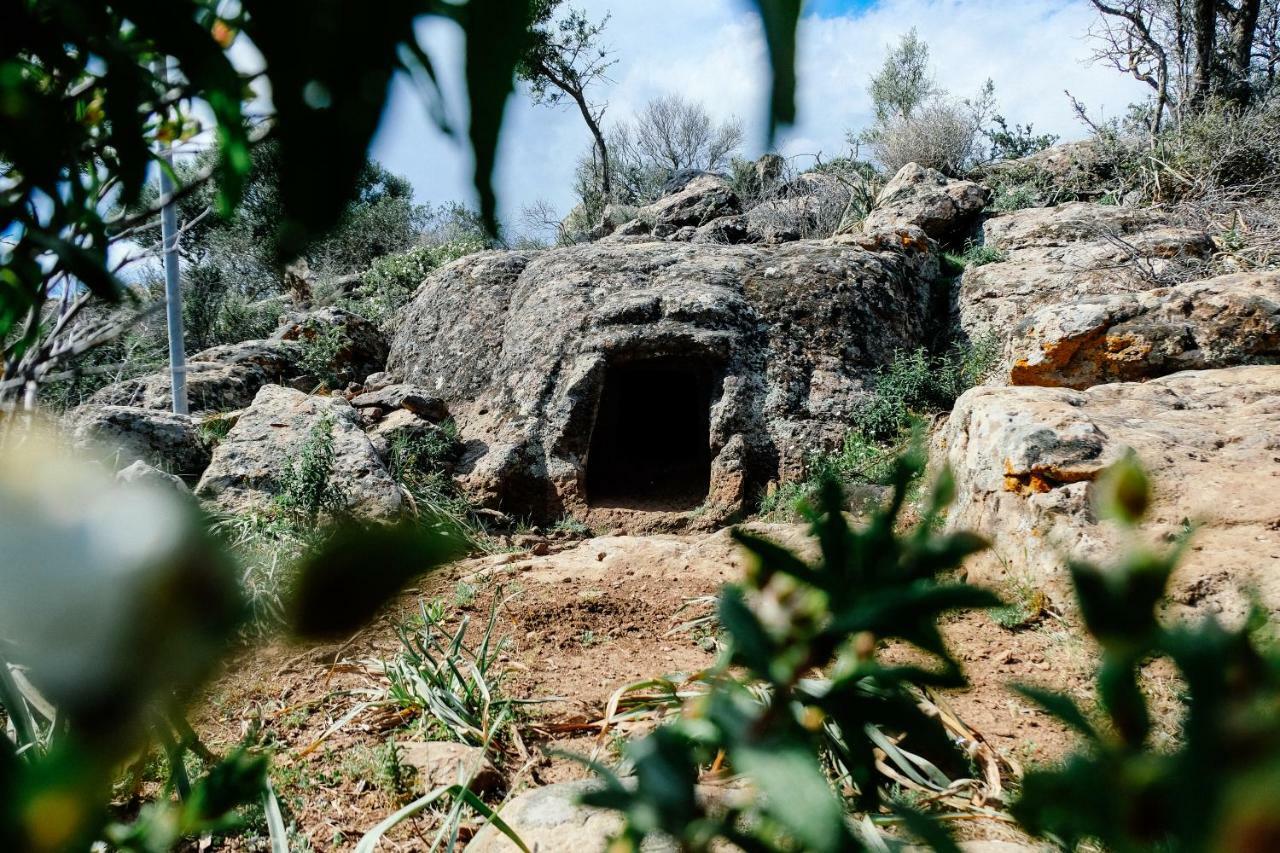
x=1040 y=480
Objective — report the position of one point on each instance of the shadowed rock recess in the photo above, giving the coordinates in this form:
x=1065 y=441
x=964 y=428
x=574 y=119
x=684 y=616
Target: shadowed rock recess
x=686 y=375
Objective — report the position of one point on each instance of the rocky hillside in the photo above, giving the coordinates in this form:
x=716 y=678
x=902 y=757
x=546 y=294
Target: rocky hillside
x=672 y=373
x=605 y=410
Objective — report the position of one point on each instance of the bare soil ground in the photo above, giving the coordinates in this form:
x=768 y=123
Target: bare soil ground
x=581 y=622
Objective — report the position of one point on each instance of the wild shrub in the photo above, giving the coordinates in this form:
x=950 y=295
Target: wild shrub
x=860 y=460
x=267 y=545
x=808 y=745
x=321 y=348
x=411 y=456
x=942 y=134
x=391 y=280
x=1016 y=142
x=914 y=386
x=213 y=429
x=1218 y=788
x=1219 y=149
x=917 y=382
x=307 y=487
x=422 y=465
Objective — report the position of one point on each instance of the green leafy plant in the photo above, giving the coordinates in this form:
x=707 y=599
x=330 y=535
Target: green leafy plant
x=422 y=464
x=570 y=526
x=1025 y=604
x=1011 y=143
x=859 y=460
x=799 y=701
x=439 y=674
x=322 y=347
x=1218 y=788
x=215 y=428
x=918 y=383
x=391 y=280
x=307 y=486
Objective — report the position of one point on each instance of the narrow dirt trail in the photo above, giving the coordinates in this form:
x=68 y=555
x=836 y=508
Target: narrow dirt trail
x=579 y=622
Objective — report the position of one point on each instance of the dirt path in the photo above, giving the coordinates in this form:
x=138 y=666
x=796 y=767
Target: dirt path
x=580 y=623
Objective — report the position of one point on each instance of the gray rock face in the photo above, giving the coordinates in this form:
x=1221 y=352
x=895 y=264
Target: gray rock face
x=125 y=435
x=1025 y=460
x=1221 y=322
x=142 y=473
x=218 y=379
x=1052 y=256
x=701 y=199
x=925 y=198
x=549 y=820
x=249 y=465
x=228 y=377
x=363 y=348
x=401 y=396
x=777 y=343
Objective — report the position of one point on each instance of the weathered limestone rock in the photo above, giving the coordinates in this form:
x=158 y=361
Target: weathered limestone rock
x=523 y=347
x=699 y=200
x=404 y=425
x=249 y=465
x=228 y=377
x=402 y=396
x=1221 y=322
x=218 y=379
x=1025 y=459
x=942 y=207
x=363 y=347
x=378 y=381
x=442 y=763
x=726 y=231
x=550 y=820
x=126 y=434
x=142 y=473
x=1059 y=255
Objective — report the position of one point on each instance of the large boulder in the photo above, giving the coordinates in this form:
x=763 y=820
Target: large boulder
x=1054 y=256
x=250 y=464
x=342 y=345
x=1221 y=322
x=1070 y=171
x=693 y=202
x=359 y=347
x=219 y=379
x=1026 y=459
x=754 y=356
x=942 y=207
x=126 y=434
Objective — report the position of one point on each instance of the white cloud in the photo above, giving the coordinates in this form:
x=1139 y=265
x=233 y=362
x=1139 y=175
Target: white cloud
x=712 y=50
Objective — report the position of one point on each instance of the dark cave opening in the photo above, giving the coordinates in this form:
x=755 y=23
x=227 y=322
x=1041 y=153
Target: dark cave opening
x=650 y=446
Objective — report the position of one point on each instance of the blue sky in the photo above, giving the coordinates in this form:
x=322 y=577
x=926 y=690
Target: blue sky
x=833 y=8
x=712 y=51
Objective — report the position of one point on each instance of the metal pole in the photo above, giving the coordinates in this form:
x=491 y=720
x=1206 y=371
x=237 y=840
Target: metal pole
x=172 y=283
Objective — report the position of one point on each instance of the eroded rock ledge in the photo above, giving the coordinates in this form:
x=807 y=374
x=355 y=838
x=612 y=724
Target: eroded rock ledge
x=1025 y=459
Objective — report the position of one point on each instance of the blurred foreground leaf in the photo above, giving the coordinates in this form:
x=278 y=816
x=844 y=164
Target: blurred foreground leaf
x=359 y=567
